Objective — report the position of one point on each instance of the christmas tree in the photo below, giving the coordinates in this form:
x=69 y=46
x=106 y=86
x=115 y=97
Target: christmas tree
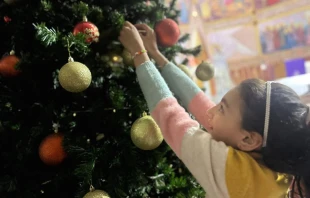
x=69 y=101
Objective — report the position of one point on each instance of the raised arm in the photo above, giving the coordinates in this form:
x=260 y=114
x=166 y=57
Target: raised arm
x=190 y=95
x=204 y=157
x=172 y=119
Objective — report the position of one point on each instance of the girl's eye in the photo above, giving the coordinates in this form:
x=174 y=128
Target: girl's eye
x=221 y=109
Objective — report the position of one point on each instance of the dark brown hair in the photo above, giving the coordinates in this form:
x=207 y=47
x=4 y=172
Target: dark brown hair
x=288 y=142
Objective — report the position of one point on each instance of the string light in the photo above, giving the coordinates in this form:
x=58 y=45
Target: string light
x=195 y=13
x=117 y=59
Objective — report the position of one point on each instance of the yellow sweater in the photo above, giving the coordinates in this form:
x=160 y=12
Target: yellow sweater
x=225 y=172
x=247 y=178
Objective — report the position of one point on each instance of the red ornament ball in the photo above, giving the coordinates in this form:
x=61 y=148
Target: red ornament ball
x=167 y=32
x=8 y=66
x=51 y=150
x=89 y=29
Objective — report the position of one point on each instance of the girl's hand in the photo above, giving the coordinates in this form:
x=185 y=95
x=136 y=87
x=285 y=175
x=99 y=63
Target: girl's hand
x=149 y=38
x=130 y=38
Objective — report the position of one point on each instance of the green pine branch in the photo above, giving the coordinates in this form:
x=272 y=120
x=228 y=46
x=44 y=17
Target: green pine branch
x=80 y=9
x=184 y=38
x=77 y=44
x=47 y=36
x=185 y=61
x=46 y=5
x=173 y=51
x=192 y=51
x=118 y=19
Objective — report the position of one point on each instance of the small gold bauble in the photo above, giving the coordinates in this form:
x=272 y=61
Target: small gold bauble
x=10 y=2
x=145 y=133
x=204 y=71
x=74 y=77
x=96 y=194
x=185 y=70
x=127 y=59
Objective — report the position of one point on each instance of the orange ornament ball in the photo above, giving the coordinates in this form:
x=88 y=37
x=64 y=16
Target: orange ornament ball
x=167 y=32
x=51 y=150
x=8 y=66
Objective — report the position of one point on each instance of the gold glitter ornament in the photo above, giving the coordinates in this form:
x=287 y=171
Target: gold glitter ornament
x=127 y=58
x=74 y=76
x=185 y=70
x=205 y=71
x=145 y=133
x=96 y=193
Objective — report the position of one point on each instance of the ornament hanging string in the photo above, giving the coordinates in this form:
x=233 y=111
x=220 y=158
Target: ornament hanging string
x=69 y=45
x=90 y=179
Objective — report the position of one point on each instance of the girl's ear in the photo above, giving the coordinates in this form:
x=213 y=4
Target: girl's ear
x=252 y=141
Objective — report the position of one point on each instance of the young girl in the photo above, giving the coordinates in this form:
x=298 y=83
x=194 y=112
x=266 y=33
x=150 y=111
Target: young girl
x=257 y=131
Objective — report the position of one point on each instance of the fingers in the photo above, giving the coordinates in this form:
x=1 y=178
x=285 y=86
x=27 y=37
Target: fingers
x=128 y=24
x=127 y=27
x=124 y=30
x=144 y=27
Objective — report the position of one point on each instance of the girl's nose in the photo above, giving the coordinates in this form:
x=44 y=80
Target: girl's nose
x=210 y=112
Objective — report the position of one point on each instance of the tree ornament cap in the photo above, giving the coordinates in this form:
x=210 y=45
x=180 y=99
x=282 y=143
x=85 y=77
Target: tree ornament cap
x=12 y=52
x=91 y=188
x=144 y=114
x=70 y=59
x=85 y=19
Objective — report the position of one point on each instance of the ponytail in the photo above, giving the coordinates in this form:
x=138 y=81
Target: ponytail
x=300 y=187
x=306 y=185
x=301 y=183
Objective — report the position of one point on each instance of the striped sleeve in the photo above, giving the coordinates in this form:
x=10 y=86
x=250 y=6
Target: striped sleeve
x=204 y=157
x=191 y=96
x=168 y=114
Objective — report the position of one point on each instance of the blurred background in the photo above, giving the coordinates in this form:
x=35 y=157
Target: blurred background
x=267 y=39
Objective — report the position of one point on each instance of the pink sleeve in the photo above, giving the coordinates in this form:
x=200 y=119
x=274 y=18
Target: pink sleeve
x=199 y=107
x=204 y=157
x=173 y=121
x=187 y=91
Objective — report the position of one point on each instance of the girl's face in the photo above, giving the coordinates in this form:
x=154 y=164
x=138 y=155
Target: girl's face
x=225 y=122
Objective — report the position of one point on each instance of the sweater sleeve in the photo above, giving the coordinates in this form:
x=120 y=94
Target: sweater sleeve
x=168 y=114
x=191 y=96
x=204 y=157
